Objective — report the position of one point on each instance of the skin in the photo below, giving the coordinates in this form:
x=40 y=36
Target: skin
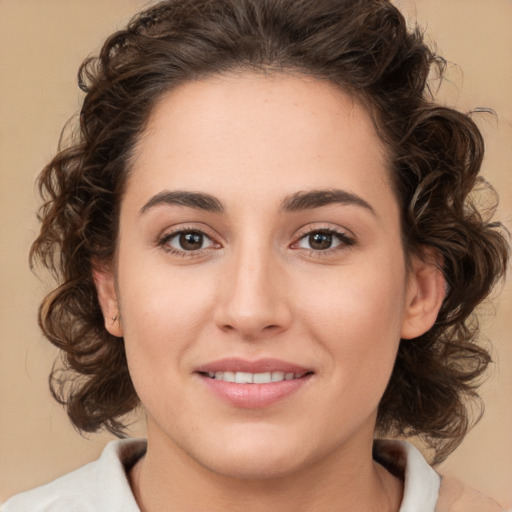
x=256 y=288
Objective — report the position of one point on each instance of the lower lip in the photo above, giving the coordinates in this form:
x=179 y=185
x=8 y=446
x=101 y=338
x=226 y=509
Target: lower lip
x=254 y=396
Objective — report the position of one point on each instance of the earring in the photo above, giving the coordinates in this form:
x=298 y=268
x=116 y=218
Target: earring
x=114 y=318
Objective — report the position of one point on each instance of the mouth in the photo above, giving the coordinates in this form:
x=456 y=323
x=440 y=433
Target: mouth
x=261 y=371
x=253 y=384
x=254 y=378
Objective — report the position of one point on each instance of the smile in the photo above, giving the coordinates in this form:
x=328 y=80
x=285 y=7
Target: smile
x=254 y=378
x=253 y=384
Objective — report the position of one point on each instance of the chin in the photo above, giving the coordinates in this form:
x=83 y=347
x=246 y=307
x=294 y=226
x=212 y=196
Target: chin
x=252 y=458
x=249 y=467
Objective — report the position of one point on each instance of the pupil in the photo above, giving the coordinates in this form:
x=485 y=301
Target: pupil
x=191 y=241
x=320 y=241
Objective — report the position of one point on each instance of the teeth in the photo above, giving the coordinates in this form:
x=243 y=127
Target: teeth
x=277 y=376
x=254 y=378
x=242 y=377
x=262 y=378
x=229 y=376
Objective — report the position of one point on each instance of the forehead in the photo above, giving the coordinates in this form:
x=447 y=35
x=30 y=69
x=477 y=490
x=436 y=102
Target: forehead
x=270 y=134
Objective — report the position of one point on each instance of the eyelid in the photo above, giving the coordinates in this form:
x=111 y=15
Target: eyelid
x=169 y=233
x=345 y=236
x=311 y=227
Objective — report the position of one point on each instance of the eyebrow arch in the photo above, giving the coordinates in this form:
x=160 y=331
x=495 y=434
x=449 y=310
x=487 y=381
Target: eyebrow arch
x=195 y=200
x=318 y=198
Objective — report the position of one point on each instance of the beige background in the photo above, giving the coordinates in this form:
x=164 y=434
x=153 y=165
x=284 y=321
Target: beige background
x=42 y=43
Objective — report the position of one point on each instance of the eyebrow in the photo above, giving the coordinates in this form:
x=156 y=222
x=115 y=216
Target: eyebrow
x=195 y=200
x=318 y=198
x=296 y=202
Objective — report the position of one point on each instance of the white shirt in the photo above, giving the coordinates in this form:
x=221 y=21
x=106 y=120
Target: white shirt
x=102 y=486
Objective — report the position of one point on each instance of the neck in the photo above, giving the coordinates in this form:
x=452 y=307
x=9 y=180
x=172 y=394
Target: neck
x=351 y=481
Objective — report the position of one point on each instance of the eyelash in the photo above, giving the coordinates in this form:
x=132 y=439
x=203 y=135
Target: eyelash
x=344 y=240
x=165 y=239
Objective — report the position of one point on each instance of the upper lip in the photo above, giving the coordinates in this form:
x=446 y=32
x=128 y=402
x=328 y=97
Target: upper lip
x=258 y=366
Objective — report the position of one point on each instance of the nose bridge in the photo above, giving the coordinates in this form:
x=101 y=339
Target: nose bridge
x=253 y=301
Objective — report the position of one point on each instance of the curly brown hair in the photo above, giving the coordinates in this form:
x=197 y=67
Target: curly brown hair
x=364 y=47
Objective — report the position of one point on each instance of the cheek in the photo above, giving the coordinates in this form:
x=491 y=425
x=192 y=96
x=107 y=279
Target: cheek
x=356 y=315
x=163 y=314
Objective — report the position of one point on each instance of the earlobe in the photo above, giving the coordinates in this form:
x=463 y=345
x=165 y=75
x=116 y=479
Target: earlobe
x=425 y=294
x=107 y=297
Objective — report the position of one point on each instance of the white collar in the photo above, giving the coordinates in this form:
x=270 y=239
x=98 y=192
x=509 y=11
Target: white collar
x=421 y=482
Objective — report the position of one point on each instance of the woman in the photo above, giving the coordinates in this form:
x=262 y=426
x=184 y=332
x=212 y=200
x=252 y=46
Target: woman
x=264 y=235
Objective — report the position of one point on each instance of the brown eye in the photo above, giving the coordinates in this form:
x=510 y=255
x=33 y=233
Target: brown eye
x=323 y=240
x=189 y=241
x=320 y=241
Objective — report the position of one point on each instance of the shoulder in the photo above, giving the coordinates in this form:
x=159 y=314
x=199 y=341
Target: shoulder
x=64 y=493
x=424 y=489
x=100 y=485
x=455 y=497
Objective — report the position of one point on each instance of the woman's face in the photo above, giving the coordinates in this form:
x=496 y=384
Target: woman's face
x=260 y=241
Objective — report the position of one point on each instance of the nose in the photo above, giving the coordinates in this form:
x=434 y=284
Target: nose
x=253 y=297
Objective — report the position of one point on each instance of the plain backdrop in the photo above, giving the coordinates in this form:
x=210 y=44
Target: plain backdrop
x=42 y=43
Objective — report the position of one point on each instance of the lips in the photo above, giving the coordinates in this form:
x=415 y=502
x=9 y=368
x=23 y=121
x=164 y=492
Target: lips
x=253 y=384
x=254 y=378
x=259 y=366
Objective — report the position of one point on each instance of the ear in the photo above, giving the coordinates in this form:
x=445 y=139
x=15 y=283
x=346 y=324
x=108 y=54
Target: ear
x=426 y=290
x=107 y=296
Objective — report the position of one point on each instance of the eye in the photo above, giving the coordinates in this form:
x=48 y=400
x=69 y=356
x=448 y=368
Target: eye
x=323 y=240
x=187 y=241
